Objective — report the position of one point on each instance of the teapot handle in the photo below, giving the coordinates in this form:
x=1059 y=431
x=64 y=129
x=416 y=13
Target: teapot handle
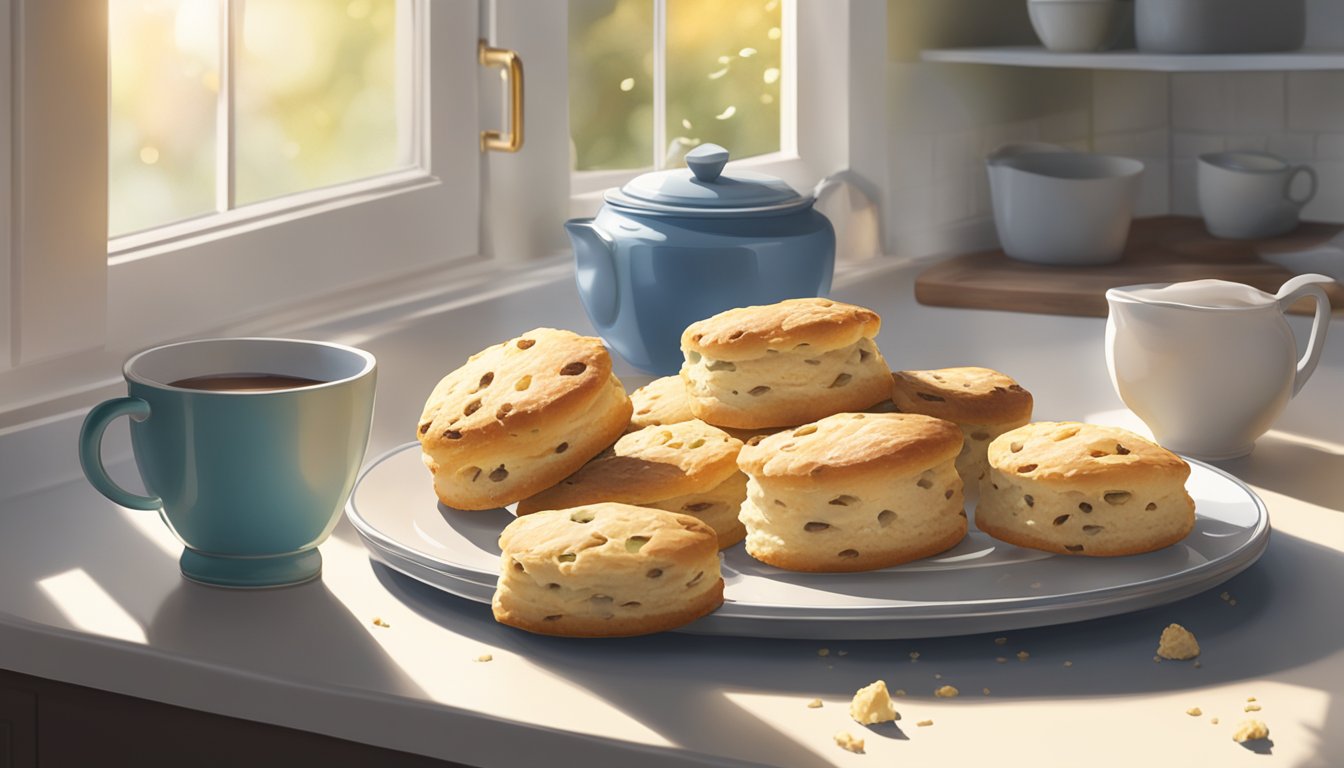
x=1297 y=288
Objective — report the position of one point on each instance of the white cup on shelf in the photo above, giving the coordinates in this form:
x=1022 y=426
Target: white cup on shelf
x=1248 y=195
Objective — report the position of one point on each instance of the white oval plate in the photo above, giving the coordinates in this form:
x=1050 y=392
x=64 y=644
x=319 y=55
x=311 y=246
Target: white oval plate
x=982 y=585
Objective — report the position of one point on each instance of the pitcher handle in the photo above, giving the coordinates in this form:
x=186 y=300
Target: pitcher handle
x=1297 y=288
x=90 y=450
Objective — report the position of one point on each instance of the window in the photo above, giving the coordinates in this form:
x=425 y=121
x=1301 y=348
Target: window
x=74 y=292
x=215 y=105
x=650 y=79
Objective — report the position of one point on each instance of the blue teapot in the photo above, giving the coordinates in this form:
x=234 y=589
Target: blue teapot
x=673 y=247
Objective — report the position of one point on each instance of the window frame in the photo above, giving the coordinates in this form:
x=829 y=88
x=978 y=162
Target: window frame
x=825 y=43
x=66 y=296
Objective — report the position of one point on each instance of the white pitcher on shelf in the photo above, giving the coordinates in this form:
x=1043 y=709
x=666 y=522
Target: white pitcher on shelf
x=1208 y=365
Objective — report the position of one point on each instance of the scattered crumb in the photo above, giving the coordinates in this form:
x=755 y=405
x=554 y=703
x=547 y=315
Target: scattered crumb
x=814 y=704
x=1250 y=698
x=1194 y=711
x=1251 y=730
x=1213 y=721
x=1157 y=659
x=1177 y=643
x=899 y=692
x=1023 y=655
x=985 y=691
x=823 y=651
x=485 y=657
x=378 y=622
x=1252 y=708
x=1000 y=641
x=1232 y=602
x=946 y=692
x=1068 y=663
x=842 y=653
x=914 y=655
x=1000 y=660
x=1226 y=596
x=924 y=723
x=937 y=676
x=871 y=705
x=1035 y=585
x=1198 y=665
x=845 y=741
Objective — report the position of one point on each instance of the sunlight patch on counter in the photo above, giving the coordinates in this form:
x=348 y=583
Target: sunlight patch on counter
x=89 y=607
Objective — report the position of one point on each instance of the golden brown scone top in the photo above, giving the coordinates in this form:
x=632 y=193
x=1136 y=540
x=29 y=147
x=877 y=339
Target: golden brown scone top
x=652 y=464
x=964 y=395
x=607 y=540
x=1071 y=452
x=514 y=386
x=748 y=332
x=849 y=444
x=661 y=401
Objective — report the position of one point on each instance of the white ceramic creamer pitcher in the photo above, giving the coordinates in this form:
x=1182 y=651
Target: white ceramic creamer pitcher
x=1208 y=365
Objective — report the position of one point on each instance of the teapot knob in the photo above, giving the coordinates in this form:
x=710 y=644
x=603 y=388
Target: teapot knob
x=707 y=161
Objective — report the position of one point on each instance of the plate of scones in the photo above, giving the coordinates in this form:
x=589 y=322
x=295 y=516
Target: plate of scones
x=787 y=483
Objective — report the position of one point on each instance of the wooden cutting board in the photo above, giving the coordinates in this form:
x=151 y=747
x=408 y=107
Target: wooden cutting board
x=1165 y=249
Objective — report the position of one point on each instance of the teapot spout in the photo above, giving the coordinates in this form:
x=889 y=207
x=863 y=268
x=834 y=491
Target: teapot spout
x=595 y=270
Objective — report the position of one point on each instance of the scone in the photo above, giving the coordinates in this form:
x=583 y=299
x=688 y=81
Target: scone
x=984 y=403
x=783 y=364
x=854 y=492
x=688 y=467
x=1082 y=489
x=606 y=570
x=520 y=417
x=661 y=401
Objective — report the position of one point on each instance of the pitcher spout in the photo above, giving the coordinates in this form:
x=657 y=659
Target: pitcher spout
x=595 y=270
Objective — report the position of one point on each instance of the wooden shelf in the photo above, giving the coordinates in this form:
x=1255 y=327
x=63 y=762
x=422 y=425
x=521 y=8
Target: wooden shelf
x=1035 y=56
x=1165 y=249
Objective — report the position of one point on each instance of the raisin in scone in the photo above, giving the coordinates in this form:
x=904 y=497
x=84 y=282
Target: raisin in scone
x=1083 y=489
x=688 y=467
x=854 y=492
x=983 y=402
x=661 y=401
x=783 y=364
x=520 y=417
x=606 y=570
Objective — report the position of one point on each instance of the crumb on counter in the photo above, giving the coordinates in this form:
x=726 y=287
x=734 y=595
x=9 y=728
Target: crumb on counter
x=871 y=704
x=1250 y=730
x=1232 y=602
x=914 y=655
x=814 y=704
x=1068 y=663
x=485 y=657
x=985 y=691
x=1000 y=660
x=1198 y=665
x=1250 y=698
x=899 y=692
x=378 y=622
x=1000 y=641
x=1252 y=708
x=844 y=740
x=946 y=692
x=1226 y=596
x=1194 y=711
x=1157 y=659
x=924 y=723
x=937 y=676
x=1023 y=655
x=1177 y=643
x=823 y=651
x=1213 y=721
x=842 y=653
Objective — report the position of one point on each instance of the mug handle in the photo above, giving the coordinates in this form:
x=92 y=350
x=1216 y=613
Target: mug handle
x=1292 y=177
x=91 y=455
x=1297 y=288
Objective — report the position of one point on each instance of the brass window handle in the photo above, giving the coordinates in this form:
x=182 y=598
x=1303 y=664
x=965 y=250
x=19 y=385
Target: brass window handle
x=513 y=64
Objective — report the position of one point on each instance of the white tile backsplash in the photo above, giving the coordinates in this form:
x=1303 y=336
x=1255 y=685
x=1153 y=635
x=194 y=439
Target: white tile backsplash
x=1330 y=146
x=1316 y=101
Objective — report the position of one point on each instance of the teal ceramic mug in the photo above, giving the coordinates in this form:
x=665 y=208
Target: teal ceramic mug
x=248 y=446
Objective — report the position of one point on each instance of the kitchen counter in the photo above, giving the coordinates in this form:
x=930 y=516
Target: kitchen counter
x=91 y=595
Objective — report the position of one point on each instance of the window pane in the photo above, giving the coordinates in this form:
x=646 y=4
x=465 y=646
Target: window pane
x=163 y=72
x=316 y=95
x=723 y=71
x=611 y=83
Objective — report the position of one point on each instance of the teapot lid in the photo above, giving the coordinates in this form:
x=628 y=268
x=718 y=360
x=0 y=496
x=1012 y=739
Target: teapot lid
x=702 y=188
